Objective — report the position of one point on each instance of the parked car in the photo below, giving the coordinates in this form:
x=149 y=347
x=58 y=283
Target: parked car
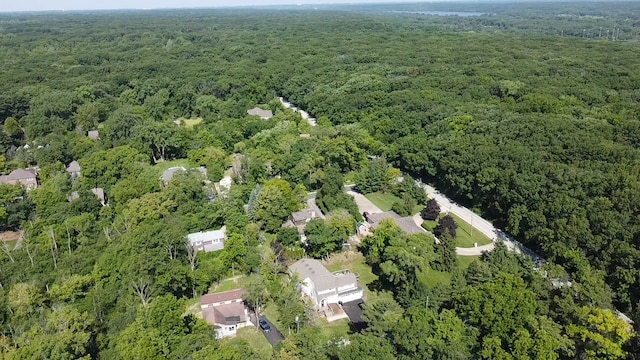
x=264 y=325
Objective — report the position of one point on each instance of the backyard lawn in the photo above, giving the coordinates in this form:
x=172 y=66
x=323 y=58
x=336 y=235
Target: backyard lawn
x=256 y=340
x=335 y=329
x=161 y=166
x=237 y=282
x=466 y=236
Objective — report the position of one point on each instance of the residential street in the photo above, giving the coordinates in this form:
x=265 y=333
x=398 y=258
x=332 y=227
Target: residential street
x=480 y=224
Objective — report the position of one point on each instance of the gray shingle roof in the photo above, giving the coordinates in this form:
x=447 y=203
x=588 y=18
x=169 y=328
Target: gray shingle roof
x=264 y=114
x=321 y=277
x=74 y=167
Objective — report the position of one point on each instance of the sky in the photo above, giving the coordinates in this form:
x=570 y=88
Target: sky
x=38 y=5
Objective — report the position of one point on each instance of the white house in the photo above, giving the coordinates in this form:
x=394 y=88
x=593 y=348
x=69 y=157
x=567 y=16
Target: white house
x=225 y=311
x=209 y=240
x=324 y=287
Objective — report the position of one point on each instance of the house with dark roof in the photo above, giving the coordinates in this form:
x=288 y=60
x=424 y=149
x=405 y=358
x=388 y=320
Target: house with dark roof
x=225 y=311
x=263 y=114
x=208 y=241
x=74 y=170
x=323 y=287
x=28 y=178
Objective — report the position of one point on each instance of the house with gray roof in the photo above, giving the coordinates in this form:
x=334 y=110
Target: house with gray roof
x=406 y=224
x=93 y=134
x=263 y=114
x=74 y=170
x=208 y=241
x=98 y=192
x=323 y=287
x=28 y=178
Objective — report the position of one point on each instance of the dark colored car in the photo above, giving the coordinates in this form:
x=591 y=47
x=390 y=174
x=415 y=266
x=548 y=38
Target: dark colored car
x=264 y=325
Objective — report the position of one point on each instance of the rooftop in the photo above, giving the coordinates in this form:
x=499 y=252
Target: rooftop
x=18 y=174
x=321 y=277
x=406 y=224
x=304 y=215
x=221 y=297
x=264 y=114
x=168 y=174
x=204 y=236
x=73 y=167
x=228 y=314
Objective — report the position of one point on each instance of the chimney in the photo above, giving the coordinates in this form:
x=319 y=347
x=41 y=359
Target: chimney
x=313 y=214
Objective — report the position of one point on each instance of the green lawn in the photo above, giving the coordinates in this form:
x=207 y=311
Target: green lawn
x=464 y=261
x=433 y=277
x=383 y=200
x=338 y=328
x=349 y=178
x=190 y=123
x=466 y=236
x=256 y=340
x=386 y=200
x=164 y=165
x=229 y=284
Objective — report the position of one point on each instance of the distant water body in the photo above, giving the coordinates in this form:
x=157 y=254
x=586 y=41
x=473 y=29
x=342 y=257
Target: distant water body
x=442 y=13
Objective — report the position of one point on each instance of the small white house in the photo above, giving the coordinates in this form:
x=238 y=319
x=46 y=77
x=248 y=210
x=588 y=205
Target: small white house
x=208 y=241
x=225 y=311
x=324 y=287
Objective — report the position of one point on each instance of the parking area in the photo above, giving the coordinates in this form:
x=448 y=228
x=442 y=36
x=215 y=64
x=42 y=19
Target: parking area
x=274 y=336
x=354 y=311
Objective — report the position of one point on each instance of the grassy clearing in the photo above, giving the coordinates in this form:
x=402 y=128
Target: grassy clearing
x=383 y=200
x=466 y=236
x=335 y=329
x=256 y=340
x=432 y=277
x=189 y=123
x=465 y=261
x=350 y=177
x=229 y=284
x=164 y=165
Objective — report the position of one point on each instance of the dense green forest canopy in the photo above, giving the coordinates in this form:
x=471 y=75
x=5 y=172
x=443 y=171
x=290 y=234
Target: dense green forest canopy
x=530 y=114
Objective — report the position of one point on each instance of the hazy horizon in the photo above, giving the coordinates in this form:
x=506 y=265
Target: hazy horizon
x=45 y=5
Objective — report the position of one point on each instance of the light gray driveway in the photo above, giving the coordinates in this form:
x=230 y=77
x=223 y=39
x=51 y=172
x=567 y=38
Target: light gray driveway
x=364 y=205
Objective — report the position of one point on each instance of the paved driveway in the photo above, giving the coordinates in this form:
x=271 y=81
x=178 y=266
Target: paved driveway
x=274 y=336
x=364 y=204
x=353 y=310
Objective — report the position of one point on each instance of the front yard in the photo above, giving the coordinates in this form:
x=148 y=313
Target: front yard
x=386 y=200
x=466 y=236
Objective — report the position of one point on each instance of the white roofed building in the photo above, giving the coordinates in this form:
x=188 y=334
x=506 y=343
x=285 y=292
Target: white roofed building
x=208 y=241
x=324 y=287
